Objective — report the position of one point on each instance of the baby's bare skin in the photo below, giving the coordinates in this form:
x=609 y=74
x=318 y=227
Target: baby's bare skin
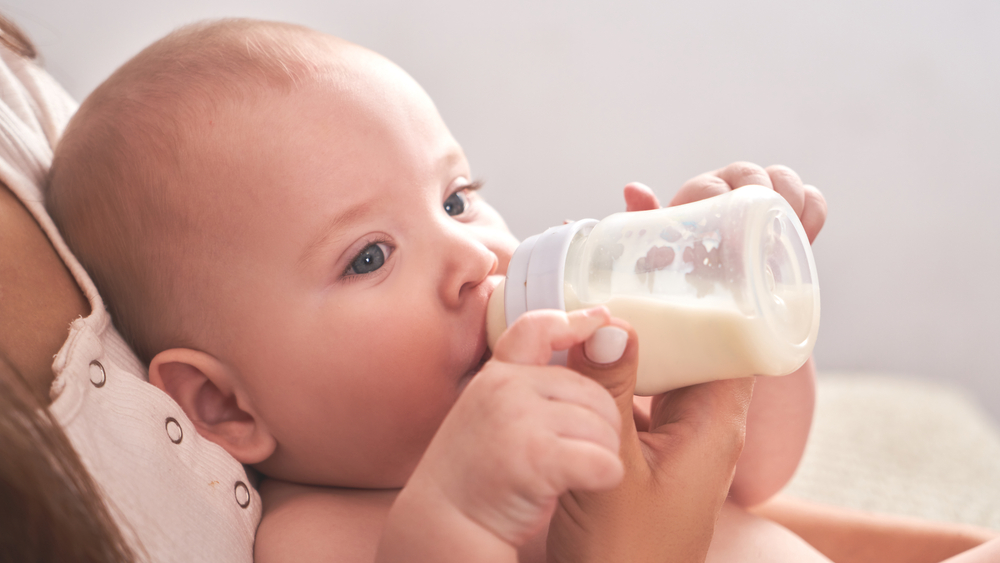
x=336 y=264
x=731 y=534
x=337 y=267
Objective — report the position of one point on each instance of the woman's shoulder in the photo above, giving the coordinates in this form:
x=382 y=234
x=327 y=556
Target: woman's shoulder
x=38 y=295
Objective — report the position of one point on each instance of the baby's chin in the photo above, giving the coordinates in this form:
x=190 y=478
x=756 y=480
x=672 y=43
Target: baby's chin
x=378 y=472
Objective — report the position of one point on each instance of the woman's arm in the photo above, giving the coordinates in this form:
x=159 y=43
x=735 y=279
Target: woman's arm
x=853 y=536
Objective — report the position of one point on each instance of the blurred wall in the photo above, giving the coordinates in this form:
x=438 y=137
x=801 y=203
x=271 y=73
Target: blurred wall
x=891 y=108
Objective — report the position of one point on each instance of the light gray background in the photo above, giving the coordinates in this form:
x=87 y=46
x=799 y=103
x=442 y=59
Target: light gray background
x=891 y=108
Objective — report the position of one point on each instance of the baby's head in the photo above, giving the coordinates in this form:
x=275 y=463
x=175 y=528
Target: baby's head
x=283 y=228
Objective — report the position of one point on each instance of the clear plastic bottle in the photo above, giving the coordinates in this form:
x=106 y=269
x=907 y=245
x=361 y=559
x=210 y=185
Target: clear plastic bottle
x=721 y=288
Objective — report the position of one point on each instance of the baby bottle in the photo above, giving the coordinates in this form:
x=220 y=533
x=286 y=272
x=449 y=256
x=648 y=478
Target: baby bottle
x=720 y=288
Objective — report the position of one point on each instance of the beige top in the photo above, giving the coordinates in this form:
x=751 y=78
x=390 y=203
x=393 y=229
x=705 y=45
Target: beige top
x=176 y=496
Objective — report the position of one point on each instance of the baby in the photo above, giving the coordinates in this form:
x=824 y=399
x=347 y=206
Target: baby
x=287 y=233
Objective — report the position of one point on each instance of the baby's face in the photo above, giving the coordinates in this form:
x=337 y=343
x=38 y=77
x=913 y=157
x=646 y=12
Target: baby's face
x=355 y=276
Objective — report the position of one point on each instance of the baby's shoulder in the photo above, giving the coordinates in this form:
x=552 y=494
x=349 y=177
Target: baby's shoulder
x=308 y=523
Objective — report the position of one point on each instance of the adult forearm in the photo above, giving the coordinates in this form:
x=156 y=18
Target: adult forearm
x=853 y=536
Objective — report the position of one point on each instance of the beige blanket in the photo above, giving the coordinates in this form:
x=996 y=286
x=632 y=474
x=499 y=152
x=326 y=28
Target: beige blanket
x=902 y=446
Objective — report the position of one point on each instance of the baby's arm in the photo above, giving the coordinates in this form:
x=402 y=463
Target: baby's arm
x=781 y=411
x=778 y=424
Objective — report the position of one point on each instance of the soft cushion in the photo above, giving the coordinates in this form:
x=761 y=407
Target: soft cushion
x=901 y=445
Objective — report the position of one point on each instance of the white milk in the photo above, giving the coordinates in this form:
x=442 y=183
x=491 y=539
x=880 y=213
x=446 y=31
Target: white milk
x=721 y=288
x=684 y=344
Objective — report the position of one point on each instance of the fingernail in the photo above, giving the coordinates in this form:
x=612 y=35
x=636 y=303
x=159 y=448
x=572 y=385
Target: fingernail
x=597 y=311
x=606 y=345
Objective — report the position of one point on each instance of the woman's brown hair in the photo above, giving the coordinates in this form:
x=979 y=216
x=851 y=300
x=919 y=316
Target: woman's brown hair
x=50 y=507
x=15 y=40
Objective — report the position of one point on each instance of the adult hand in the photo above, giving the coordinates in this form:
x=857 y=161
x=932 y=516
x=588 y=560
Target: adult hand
x=781 y=413
x=679 y=459
x=678 y=467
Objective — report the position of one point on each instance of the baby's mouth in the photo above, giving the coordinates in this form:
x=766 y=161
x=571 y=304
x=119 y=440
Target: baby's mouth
x=476 y=368
x=482 y=340
x=486 y=357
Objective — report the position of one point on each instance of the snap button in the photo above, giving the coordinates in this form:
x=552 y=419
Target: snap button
x=242 y=494
x=174 y=431
x=97 y=375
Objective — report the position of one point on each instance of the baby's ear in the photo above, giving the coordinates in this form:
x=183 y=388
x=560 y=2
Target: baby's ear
x=213 y=398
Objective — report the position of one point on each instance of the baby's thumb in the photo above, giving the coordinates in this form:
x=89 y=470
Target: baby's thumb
x=610 y=357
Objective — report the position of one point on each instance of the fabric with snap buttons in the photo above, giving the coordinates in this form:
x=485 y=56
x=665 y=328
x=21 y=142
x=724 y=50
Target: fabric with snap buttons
x=176 y=496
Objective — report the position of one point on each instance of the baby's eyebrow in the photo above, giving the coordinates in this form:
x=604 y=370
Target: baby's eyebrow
x=331 y=231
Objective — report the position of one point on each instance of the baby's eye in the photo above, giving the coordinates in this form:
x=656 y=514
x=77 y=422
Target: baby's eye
x=456 y=203
x=369 y=260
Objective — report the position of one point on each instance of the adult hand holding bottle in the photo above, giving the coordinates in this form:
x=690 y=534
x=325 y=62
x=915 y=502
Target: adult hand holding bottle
x=680 y=450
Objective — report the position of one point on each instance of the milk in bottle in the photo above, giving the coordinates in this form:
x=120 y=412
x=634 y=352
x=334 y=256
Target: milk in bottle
x=721 y=288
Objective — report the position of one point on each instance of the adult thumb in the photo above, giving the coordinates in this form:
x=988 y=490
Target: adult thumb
x=610 y=357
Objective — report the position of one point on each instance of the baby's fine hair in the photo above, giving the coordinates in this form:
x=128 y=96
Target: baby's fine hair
x=112 y=189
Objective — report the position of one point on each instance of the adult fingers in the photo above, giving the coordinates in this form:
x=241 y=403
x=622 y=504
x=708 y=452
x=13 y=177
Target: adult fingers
x=814 y=213
x=611 y=358
x=639 y=197
x=617 y=377
x=536 y=334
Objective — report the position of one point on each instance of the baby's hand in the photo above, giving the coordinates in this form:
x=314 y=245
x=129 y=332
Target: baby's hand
x=521 y=434
x=806 y=200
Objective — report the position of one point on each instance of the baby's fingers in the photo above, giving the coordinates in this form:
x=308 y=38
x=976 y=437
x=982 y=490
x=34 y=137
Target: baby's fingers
x=638 y=197
x=700 y=187
x=788 y=184
x=585 y=466
x=814 y=214
x=576 y=422
x=807 y=201
x=736 y=175
x=571 y=396
x=739 y=174
x=536 y=334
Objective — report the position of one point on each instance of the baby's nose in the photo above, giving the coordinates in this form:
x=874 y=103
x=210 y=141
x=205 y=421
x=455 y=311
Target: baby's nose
x=468 y=263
